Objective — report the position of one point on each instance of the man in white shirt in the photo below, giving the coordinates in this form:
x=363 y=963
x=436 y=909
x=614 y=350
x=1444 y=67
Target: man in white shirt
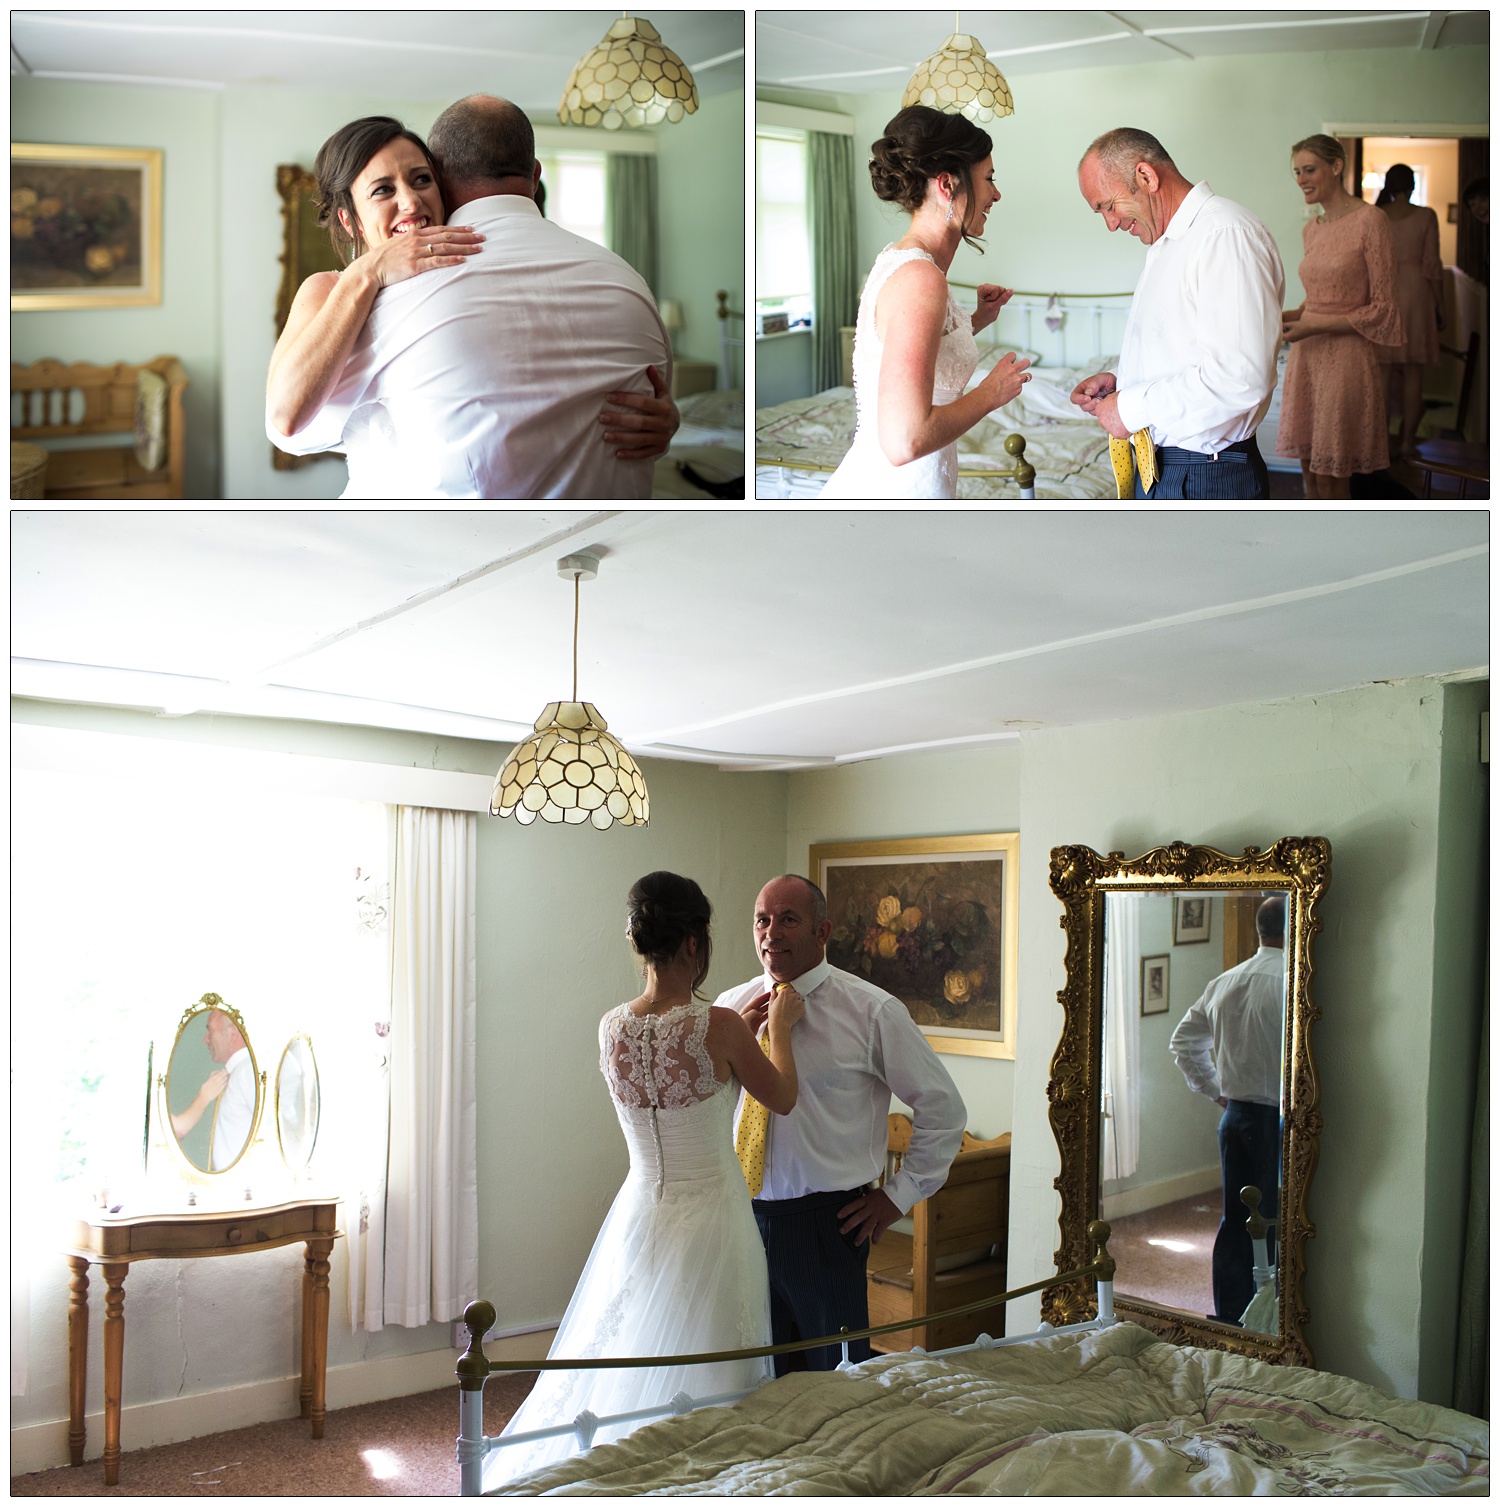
x=1198 y=359
x=1228 y=1047
x=236 y=1108
x=855 y=1046
x=488 y=380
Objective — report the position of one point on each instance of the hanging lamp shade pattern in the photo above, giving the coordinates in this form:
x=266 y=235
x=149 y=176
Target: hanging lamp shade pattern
x=960 y=80
x=630 y=79
x=571 y=769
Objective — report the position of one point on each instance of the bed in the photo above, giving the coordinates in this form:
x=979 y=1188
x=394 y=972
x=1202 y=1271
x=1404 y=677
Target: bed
x=707 y=455
x=1098 y=1408
x=1067 y=337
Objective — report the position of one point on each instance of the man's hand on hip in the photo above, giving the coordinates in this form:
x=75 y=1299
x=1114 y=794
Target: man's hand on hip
x=642 y=426
x=869 y=1216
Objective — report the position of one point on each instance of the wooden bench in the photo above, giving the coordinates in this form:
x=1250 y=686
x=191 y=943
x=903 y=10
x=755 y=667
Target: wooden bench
x=58 y=401
x=925 y=1272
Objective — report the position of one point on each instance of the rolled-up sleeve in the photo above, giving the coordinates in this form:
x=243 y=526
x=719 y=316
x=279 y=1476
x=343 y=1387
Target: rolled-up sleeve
x=913 y=1073
x=1237 y=284
x=1192 y=1048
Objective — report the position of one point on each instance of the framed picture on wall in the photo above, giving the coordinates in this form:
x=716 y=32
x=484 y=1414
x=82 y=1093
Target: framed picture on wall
x=85 y=227
x=1190 y=918
x=1156 y=975
x=931 y=920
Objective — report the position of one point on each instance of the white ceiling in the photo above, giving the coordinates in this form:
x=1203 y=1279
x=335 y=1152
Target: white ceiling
x=874 y=52
x=746 y=637
x=405 y=55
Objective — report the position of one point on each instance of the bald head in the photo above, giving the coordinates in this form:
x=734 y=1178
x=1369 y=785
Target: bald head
x=484 y=145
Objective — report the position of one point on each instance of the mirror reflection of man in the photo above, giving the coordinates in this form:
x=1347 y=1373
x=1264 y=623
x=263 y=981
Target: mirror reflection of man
x=1228 y=1047
x=233 y=1084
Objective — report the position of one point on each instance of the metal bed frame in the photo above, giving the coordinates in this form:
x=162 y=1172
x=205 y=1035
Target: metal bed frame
x=475 y=1368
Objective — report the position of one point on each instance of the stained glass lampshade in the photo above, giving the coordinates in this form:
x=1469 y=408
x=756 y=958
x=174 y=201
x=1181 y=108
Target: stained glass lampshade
x=571 y=769
x=629 y=79
x=960 y=80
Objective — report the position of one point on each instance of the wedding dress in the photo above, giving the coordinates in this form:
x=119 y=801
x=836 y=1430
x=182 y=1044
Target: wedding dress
x=865 y=472
x=678 y=1267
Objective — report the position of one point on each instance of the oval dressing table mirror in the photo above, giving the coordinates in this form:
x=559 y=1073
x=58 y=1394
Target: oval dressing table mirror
x=297 y=1104
x=212 y=1091
x=1184 y=964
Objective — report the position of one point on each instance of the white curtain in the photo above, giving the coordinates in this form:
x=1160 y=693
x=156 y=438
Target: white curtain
x=417 y=1258
x=1122 y=1037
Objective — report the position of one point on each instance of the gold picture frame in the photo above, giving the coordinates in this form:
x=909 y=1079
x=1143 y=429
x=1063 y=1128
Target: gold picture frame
x=85 y=227
x=941 y=935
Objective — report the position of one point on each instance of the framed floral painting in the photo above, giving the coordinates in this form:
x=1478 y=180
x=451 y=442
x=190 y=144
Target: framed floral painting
x=85 y=227
x=931 y=920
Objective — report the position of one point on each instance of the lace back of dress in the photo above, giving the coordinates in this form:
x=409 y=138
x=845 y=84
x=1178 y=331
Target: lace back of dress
x=657 y=1061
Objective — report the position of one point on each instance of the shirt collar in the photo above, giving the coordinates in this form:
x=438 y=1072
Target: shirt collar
x=805 y=983
x=494 y=204
x=236 y=1058
x=1187 y=211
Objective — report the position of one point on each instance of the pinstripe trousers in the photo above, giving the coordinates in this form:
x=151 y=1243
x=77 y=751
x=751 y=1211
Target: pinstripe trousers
x=1238 y=474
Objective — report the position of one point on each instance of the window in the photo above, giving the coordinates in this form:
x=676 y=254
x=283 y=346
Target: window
x=574 y=182
x=783 y=245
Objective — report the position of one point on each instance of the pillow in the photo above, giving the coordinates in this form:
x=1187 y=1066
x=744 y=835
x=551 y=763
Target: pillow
x=150 y=419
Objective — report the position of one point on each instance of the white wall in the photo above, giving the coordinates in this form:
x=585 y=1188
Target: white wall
x=1365 y=769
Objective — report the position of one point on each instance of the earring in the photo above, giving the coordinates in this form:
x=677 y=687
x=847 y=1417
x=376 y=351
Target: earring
x=948 y=218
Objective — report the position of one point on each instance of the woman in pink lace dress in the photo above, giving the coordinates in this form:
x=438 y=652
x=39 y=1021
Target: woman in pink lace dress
x=678 y=1267
x=1333 y=415
x=1419 y=295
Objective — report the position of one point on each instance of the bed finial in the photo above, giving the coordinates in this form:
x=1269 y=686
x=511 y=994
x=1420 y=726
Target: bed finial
x=1257 y=1223
x=472 y=1368
x=1099 y=1235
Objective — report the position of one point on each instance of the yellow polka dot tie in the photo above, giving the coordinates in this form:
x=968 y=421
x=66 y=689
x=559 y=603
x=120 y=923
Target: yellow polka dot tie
x=1128 y=455
x=750 y=1138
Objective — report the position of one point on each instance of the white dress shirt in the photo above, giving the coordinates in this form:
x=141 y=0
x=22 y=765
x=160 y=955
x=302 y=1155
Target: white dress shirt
x=235 y=1110
x=487 y=379
x=1198 y=359
x=1228 y=1045
x=854 y=1047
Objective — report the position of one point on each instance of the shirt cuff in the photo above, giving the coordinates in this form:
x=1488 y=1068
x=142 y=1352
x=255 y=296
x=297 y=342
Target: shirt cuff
x=1132 y=407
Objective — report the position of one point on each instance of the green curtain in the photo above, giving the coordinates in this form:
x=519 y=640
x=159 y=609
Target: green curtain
x=835 y=271
x=1471 y=1375
x=630 y=211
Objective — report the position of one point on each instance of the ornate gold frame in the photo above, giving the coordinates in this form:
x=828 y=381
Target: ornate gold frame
x=149 y=160
x=1009 y=844
x=1081 y=879
x=189 y=1168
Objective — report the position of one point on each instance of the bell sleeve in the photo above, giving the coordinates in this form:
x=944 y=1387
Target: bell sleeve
x=1379 y=320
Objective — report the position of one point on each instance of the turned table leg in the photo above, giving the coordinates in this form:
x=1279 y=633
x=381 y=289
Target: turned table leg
x=78 y=1355
x=114 y=1365
x=315 y=1329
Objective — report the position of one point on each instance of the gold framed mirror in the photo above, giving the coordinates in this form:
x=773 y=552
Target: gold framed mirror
x=1156 y=946
x=305 y=249
x=298 y=1103
x=212 y=1092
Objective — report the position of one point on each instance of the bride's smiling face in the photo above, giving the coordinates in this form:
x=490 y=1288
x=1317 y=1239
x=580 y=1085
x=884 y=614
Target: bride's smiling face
x=983 y=195
x=396 y=193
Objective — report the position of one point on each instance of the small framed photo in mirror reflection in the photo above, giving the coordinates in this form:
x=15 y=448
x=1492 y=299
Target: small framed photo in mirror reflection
x=1190 y=919
x=1156 y=973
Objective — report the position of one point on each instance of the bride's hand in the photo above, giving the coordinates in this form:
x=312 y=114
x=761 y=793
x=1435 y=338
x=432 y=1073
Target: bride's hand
x=991 y=300
x=787 y=1007
x=417 y=251
x=1005 y=379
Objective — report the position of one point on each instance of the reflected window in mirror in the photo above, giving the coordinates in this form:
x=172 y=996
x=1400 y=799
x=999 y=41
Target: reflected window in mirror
x=1185 y=1076
x=297 y=1103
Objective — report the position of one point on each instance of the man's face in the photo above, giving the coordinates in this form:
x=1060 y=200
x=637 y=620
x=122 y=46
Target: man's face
x=220 y=1036
x=787 y=941
x=1125 y=205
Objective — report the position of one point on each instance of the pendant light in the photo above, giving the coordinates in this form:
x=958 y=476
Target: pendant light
x=959 y=79
x=572 y=769
x=629 y=79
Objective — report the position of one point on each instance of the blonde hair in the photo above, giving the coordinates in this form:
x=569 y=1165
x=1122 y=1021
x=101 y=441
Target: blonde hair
x=1326 y=147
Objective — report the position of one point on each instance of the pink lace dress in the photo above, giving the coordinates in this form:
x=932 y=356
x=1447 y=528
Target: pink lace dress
x=1414 y=239
x=1333 y=414
x=678 y=1267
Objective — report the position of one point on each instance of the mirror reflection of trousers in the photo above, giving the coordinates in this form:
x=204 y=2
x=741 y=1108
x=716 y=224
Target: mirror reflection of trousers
x=1249 y=1151
x=817 y=1277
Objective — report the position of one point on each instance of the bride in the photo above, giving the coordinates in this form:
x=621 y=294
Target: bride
x=678 y=1267
x=914 y=350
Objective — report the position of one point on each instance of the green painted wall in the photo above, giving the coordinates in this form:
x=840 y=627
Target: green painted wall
x=184 y=125
x=1369 y=770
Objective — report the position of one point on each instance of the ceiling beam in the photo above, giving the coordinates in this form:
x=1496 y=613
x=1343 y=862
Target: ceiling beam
x=1432 y=29
x=1120 y=20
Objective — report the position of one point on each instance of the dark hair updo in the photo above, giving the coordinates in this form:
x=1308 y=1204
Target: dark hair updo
x=662 y=911
x=921 y=144
x=341 y=159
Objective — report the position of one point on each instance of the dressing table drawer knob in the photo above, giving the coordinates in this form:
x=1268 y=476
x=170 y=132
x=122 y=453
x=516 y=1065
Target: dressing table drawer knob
x=234 y=1234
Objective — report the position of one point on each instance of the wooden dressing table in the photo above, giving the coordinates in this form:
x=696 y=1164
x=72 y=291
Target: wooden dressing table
x=114 y=1241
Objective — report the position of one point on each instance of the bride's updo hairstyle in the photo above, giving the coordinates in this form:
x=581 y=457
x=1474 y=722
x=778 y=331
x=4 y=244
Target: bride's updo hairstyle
x=663 y=910
x=341 y=159
x=921 y=144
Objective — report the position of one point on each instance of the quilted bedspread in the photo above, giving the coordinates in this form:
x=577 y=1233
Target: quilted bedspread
x=1104 y=1413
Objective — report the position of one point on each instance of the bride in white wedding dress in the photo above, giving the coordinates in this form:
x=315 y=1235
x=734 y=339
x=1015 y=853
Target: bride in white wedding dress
x=914 y=350
x=678 y=1267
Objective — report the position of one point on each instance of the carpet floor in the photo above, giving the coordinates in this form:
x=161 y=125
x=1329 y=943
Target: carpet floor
x=1166 y=1254
x=399 y=1448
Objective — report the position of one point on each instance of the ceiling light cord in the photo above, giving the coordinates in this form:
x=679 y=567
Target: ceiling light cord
x=577 y=577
